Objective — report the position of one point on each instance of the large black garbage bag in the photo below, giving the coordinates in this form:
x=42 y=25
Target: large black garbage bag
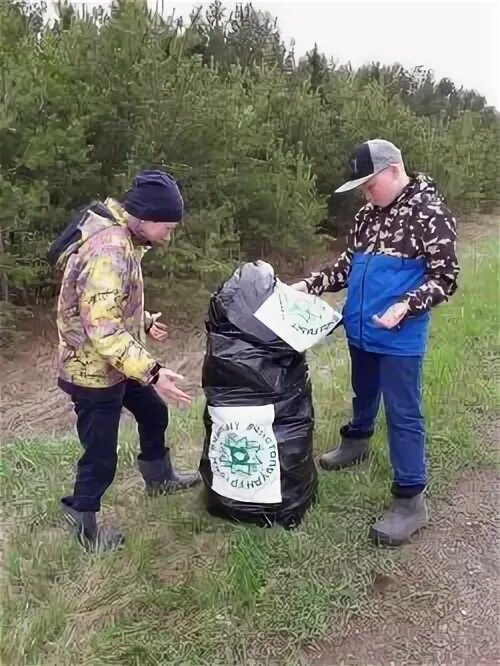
x=257 y=463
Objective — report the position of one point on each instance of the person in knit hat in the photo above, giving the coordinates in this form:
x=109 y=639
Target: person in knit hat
x=104 y=364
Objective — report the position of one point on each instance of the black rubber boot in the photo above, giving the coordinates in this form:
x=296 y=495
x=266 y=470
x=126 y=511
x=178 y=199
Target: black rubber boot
x=94 y=538
x=350 y=452
x=404 y=517
x=160 y=478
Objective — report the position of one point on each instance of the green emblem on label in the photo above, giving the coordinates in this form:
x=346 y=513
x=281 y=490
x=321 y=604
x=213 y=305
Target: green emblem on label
x=244 y=456
x=240 y=455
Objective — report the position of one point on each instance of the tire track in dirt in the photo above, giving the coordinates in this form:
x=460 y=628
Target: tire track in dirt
x=443 y=607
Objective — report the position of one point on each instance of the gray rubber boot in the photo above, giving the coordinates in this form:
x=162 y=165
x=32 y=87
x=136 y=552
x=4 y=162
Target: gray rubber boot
x=404 y=517
x=94 y=538
x=160 y=478
x=350 y=452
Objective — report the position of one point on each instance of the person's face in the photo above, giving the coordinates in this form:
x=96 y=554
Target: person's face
x=383 y=188
x=158 y=233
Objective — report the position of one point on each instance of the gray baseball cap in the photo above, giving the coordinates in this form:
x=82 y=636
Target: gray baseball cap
x=368 y=159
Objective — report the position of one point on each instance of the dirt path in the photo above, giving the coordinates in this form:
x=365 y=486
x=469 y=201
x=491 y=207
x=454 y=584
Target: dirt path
x=31 y=403
x=444 y=606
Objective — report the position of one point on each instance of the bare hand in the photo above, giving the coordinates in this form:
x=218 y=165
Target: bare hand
x=300 y=286
x=158 y=331
x=167 y=389
x=392 y=316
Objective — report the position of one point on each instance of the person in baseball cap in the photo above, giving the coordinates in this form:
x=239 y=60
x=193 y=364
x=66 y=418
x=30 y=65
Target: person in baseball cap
x=400 y=262
x=369 y=159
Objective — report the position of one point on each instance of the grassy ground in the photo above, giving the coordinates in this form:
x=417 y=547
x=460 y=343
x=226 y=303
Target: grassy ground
x=192 y=590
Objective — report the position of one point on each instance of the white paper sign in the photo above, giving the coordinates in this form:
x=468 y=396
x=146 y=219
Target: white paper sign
x=301 y=320
x=243 y=454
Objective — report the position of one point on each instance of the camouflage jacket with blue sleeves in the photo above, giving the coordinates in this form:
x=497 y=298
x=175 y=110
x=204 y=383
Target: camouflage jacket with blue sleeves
x=417 y=224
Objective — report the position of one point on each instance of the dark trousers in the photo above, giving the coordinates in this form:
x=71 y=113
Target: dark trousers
x=398 y=380
x=98 y=417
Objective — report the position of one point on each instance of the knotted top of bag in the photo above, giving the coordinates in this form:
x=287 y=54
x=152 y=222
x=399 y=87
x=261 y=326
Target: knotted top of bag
x=241 y=296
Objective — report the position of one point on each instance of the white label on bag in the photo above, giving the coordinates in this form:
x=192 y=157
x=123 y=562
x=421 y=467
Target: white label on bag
x=243 y=454
x=301 y=320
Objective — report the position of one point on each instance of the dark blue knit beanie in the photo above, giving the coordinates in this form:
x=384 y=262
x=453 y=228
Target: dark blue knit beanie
x=154 y=197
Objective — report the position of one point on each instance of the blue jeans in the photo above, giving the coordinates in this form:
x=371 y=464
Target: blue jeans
x=398 y=379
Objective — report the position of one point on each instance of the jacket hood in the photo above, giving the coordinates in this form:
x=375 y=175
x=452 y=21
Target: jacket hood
x=86 y=222
x=421 y=188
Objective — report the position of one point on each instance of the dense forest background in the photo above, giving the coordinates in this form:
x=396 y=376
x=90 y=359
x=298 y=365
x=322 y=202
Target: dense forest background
x=257 y=139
